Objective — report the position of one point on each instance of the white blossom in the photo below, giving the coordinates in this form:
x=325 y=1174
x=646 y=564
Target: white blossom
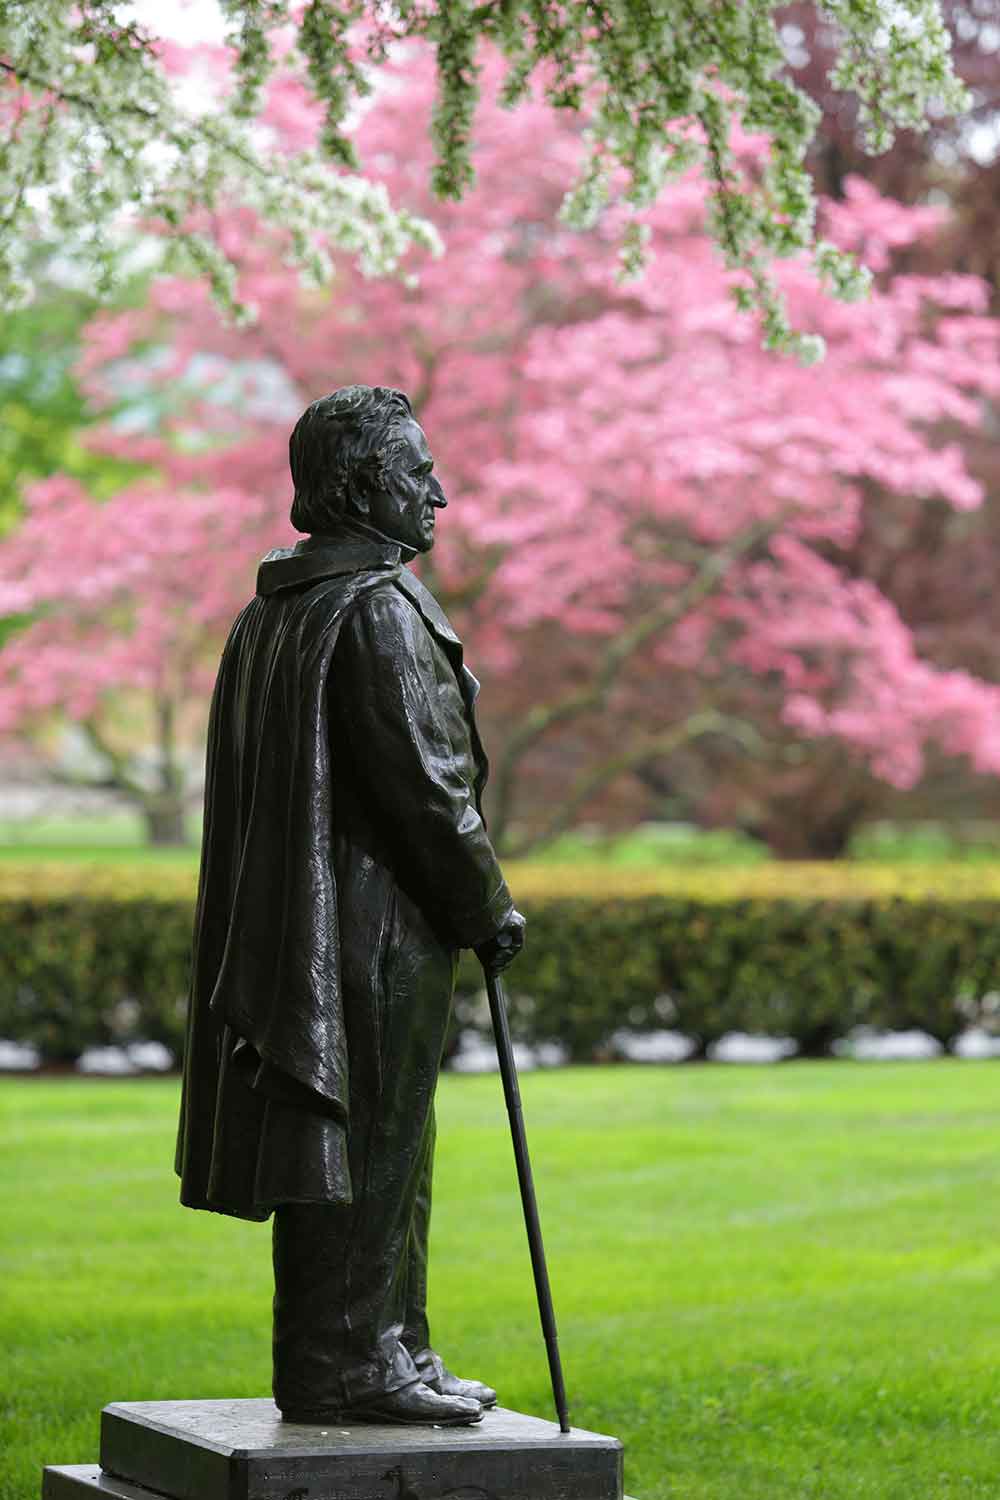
x=91 y=126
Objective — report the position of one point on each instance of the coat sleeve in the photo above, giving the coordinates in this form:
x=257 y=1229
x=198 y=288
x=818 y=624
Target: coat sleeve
x=403 y=756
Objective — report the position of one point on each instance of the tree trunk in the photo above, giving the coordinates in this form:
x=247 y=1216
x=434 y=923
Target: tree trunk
x=804 y=829
x=165 y=821
x=823 y=841
x=164 y=809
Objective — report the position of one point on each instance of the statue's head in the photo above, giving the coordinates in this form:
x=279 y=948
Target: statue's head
x=361 y=452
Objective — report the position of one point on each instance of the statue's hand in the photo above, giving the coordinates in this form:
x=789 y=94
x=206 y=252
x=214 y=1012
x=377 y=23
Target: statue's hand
x=497 y=952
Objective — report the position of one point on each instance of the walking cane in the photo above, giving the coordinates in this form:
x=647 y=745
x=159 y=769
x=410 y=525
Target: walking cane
x=512 y=1094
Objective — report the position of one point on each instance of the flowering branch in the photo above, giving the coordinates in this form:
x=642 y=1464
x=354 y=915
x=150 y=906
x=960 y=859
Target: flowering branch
x=661 y=86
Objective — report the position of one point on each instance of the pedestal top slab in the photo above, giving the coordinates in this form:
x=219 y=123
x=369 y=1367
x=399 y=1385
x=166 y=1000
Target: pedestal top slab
x=244 y=1450
x=256 y=1427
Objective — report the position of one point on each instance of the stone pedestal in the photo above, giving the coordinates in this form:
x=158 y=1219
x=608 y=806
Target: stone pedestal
x=243 y=1450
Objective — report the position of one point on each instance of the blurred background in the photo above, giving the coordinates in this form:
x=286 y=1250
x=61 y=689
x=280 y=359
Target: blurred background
x=735 y=619
x=737 y=625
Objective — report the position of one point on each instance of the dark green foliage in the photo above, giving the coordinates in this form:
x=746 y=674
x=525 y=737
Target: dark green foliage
x=935 y=970
x=78 y=970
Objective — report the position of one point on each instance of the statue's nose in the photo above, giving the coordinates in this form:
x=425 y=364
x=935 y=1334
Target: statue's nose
x=437 y=493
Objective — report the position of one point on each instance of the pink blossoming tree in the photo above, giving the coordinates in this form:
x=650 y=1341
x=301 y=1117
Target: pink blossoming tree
x=649 y=513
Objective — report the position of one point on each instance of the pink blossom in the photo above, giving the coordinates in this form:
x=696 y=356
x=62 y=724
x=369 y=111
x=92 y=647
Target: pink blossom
x=600 y=443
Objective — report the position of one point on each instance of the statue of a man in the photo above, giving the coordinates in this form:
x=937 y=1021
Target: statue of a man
x=345 y=862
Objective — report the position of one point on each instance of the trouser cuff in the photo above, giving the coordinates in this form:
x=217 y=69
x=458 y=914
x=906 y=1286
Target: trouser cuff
x=315 y=1376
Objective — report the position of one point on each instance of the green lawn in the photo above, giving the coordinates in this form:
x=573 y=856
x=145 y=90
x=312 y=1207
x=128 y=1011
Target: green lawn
x=118 y=837
x=777 y=1282
x=121 y=837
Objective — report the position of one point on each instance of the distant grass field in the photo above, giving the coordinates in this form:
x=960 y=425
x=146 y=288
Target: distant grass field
x=118 y=837
x=114 y=837
x=771 y=1284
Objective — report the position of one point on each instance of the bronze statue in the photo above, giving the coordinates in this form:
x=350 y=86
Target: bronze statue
x=345 y=862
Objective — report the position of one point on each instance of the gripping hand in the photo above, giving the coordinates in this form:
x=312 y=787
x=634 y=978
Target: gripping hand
x=497 y=952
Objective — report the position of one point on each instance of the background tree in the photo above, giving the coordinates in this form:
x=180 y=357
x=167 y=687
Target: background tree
x=936 y=565
x=954 y=159
x=42 y=408
x=94 y=123
x=657 y=526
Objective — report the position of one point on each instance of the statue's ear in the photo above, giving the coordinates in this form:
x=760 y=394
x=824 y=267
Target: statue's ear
x=357 y=498
x=363 y=479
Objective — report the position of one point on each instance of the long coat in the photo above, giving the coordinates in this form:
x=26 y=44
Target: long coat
x=343 y=828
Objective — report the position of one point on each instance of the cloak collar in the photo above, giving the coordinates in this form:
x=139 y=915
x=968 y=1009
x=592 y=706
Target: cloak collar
x=352 y=548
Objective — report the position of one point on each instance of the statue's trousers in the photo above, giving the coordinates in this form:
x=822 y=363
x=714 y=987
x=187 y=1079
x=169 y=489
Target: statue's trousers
x=351 y=1281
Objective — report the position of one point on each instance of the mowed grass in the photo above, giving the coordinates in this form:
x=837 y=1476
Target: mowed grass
x=777 y=1282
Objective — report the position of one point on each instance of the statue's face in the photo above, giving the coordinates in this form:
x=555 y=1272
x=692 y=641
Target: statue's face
x=404 y=510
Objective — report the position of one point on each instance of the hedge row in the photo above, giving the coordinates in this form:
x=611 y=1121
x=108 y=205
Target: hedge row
x=90 y=957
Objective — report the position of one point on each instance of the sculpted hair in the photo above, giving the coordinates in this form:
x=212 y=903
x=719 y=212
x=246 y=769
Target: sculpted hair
x=343 y=444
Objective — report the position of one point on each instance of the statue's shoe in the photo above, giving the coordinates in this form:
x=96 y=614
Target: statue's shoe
x=434 y=1372
x=448 y=1384
x=415 y=1404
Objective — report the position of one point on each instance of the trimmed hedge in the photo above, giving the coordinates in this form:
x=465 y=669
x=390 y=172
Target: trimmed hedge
x=91 y=954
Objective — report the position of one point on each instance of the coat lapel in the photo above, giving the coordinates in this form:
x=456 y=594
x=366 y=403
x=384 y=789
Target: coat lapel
x=441 y=628
x=428 y=607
